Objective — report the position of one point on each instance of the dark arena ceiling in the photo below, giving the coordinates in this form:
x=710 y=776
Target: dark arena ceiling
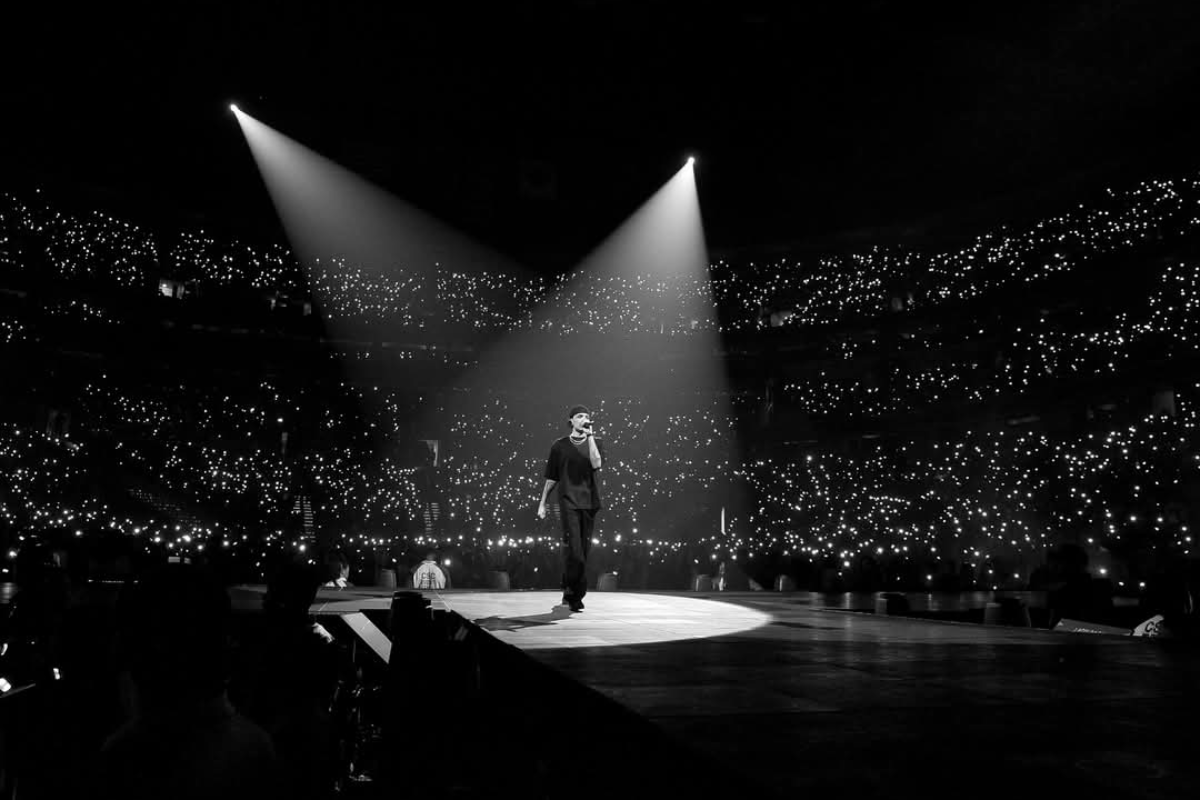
x=537 y=127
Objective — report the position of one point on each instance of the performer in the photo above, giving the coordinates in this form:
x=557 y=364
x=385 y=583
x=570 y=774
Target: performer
x=572 y=465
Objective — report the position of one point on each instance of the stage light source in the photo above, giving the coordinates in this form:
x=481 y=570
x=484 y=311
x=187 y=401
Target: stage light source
x=691 y=160
x=233 y=107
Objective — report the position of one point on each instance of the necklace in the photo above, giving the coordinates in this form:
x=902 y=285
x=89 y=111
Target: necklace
x=571 y=436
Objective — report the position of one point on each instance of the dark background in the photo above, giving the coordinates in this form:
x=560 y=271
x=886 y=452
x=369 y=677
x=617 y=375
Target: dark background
x=537 y=127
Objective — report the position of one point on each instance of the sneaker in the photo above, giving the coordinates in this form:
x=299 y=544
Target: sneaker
x=576 y=607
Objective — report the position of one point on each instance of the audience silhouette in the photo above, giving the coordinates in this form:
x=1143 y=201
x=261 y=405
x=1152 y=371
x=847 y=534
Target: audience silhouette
x=183 y=738
x=295 y=674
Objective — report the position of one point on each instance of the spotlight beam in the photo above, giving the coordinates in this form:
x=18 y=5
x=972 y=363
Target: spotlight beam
x=329 y=212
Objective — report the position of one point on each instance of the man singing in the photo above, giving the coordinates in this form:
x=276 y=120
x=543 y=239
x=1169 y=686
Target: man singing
x=572 y=466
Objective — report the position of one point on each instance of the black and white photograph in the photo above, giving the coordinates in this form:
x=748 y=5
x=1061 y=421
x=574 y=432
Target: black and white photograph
x=600 y=399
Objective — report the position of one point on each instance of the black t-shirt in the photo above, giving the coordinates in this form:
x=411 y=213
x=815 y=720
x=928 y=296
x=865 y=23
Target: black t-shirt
x=570 y=465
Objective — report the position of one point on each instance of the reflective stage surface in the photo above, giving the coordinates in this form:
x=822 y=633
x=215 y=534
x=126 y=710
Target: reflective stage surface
x=803 y=698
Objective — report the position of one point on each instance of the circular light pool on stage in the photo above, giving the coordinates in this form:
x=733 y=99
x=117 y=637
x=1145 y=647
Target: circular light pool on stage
x=529 y=619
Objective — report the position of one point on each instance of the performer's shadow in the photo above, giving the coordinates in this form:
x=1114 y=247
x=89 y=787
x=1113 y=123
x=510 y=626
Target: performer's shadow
x=516 y=623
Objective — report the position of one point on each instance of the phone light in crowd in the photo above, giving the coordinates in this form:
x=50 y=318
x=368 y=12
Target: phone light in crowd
x=446 y=563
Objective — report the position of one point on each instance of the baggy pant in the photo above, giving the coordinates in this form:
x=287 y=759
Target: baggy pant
x=577 y=526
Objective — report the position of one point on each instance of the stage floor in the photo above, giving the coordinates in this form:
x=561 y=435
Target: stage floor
x=804 y=698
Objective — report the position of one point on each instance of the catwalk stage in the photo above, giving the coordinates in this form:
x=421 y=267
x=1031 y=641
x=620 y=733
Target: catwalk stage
x=790 y=696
